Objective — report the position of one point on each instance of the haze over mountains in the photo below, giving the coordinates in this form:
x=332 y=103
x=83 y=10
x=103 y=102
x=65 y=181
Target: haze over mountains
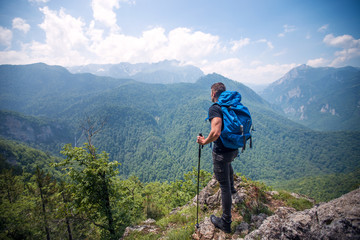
x=151 y=128
x=161 y=72
x=320 y=98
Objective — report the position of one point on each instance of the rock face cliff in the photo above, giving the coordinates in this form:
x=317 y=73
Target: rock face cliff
x=261 y=214
x=32 y=130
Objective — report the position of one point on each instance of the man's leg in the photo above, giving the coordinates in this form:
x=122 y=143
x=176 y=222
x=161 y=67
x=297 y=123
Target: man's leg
x=233 y=190
x=222 y=174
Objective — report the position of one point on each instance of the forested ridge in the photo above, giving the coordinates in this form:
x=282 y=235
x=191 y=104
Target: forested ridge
x=80 y=196
x=150 y=130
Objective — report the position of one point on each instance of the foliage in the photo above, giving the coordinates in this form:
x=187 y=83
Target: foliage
x=324 y=187
x=32 y=208
x=38 y=132
x=36 y=206
x=291 y=201
x=91 y=177
x=135 y=235
x=255 y=201
x=20 y=157
x=182 y=223
x=151 y=129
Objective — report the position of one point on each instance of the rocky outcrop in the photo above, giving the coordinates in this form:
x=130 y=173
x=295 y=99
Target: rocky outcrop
x=258 y=214
x=146 y=227
x=337 y=219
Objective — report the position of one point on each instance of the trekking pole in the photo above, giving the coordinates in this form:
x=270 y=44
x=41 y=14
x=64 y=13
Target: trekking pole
x=198 y=184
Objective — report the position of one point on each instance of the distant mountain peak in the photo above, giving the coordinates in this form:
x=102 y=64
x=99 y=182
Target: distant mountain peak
x=324 y=98
x=292 y=74
x=303 y=67
x=167 y=71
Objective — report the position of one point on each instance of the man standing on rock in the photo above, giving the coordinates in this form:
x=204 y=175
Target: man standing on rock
x=222 y=158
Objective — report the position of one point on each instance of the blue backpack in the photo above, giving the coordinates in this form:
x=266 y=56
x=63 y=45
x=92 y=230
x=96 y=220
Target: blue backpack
x=236 y=119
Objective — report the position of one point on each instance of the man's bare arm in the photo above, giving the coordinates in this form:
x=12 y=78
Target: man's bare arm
x=216 y=124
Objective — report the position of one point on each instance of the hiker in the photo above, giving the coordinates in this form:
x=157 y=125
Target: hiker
x=222 y=158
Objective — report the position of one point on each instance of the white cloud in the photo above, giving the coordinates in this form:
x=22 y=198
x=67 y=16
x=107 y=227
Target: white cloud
x=256 y=73
x=228 y=67
x=69 y=41
x=103 y=12
x=341 y=57
x=239 y=44
x=268 y=43
x=64 y=42
x=5 y=37
x=323 y=28
x=344 y=41
x=255 y=63
x=185 y=44
x=318 y=62
x=155 y=45
x=20 y=24
x=280 y=53
x=14 y=57
x=266 y=74
x=350 y=48
x=287 y=29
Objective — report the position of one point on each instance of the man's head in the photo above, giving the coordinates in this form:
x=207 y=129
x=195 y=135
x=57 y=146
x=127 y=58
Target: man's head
x=216 y=90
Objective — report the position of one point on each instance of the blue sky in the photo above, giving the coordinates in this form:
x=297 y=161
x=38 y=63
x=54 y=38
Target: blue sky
x=254 y=42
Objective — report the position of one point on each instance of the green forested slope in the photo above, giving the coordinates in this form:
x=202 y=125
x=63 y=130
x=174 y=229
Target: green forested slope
x=323 y=187
x=40 y=89
x=43 y=133
x=20 y=157
x=151 y=129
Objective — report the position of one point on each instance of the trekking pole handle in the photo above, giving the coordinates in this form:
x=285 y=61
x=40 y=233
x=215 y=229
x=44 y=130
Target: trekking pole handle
x=200 y=146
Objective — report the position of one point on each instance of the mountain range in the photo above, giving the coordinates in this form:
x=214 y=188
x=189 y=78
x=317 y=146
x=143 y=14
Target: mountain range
x=151 y=129
x=320 y=98
x=161 y=72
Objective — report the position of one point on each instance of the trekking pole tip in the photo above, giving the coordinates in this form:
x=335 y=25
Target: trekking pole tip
x=197 y=226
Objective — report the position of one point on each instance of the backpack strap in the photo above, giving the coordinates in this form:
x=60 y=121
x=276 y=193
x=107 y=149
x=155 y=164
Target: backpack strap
x=243 y=148
x=251 y=130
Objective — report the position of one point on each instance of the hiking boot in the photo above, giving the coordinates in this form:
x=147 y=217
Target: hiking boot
x=221 y=223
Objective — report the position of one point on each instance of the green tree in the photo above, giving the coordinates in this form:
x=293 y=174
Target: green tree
x=16 y=210
x=46 y=187
x=92 y=176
